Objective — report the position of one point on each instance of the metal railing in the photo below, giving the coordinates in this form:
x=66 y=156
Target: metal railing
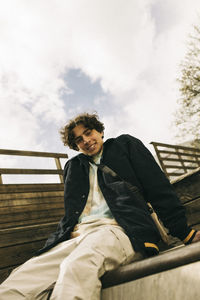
x=56 y=156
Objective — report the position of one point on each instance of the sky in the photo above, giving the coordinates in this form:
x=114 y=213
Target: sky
x=119 y=58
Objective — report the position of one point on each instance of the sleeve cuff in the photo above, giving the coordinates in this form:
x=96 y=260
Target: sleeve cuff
x=189 y=237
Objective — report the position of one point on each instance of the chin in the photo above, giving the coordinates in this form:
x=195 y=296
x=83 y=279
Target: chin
x=93 y=153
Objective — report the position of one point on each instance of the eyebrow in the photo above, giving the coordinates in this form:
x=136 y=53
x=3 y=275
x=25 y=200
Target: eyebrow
x=78 y=137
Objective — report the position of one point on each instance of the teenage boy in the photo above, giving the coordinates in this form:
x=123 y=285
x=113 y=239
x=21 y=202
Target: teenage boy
x=105 y=224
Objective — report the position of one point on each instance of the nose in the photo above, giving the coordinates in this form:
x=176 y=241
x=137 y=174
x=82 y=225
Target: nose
x=86 y=139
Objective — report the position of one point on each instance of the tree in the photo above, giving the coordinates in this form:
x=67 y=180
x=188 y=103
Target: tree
x=187 y=118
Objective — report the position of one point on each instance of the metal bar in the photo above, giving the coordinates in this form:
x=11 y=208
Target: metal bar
x=163 y=262
x=32 y=153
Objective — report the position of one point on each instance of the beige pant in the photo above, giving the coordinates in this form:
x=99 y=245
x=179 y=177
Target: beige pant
x=73 y=267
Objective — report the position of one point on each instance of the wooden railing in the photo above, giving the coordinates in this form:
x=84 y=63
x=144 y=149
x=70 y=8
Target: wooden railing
x=177 y=160
x=56 y=157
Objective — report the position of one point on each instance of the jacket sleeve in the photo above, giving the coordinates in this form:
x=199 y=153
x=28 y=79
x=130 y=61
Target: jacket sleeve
x=158 y=190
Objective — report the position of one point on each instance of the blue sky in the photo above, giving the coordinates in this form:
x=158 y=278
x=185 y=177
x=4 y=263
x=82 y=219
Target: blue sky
x=118 y=58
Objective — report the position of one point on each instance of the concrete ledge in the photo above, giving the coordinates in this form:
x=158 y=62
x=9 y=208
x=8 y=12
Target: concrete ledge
x=166 y=261
x=182 y=283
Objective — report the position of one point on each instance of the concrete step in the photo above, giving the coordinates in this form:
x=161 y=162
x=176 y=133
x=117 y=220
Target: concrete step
x=174 y=275
x=182 y=283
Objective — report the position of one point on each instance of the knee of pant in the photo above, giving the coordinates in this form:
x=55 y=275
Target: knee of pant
x=10 y=293
x=84 y=261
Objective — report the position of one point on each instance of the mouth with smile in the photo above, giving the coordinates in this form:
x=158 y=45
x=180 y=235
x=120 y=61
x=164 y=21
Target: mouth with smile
x=91 y=147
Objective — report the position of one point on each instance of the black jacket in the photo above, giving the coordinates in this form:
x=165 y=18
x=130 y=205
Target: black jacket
x=133 y=162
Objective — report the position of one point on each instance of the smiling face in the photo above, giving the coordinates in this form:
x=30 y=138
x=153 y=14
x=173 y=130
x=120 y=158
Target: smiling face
x=88 y=141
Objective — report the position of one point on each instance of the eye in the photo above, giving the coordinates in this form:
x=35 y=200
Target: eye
x=88 y=132
x=78 y=140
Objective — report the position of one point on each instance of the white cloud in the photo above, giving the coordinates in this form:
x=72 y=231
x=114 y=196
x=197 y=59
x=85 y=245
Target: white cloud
x=112 y=41
x=151 y=103
x=133 y=47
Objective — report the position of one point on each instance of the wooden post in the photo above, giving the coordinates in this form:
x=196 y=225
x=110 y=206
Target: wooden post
x=181 y=160
x=58 y=165
x=160 y=158
x=197 y=159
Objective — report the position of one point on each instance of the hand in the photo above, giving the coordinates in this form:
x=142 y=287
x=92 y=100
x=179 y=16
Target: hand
x=196 y=237
x=74 y=234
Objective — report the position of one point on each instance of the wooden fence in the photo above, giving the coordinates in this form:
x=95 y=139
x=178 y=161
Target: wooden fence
x=56 y=157
x=28 y=212
x=177 y=160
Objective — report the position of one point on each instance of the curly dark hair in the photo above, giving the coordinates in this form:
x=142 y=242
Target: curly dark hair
x=90 y=121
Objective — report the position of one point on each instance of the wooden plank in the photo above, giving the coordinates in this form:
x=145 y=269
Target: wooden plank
x=30 y=201
x=10 y=212
x=188 y=186
x=181 y=161
x=5 y=272
x=30 y=208
x=193 y=212
x=30 y=171
x=185 y=176
x=167 y=152
x=31 y=217
x=18 y=254
x=21 y=188
x=172 y=174
x=160 y=159
x=175 y=153
x=59 y=167
x=177 y=160
x=176 y=146
x=32 y=153
x=185 y=168
x=19 y=213
x=35 y=221
x=20 y=235
x=28 y=195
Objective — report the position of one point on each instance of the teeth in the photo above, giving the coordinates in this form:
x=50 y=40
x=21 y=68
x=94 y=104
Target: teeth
x=92 y=147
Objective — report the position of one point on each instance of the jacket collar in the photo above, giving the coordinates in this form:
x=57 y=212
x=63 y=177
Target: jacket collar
x=85 y=159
